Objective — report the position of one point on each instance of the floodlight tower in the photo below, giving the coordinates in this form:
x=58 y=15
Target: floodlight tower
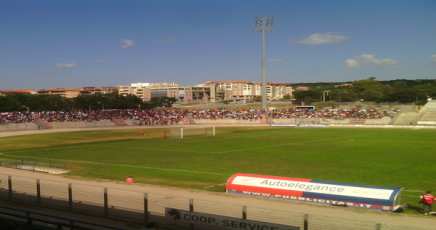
x=264 y=24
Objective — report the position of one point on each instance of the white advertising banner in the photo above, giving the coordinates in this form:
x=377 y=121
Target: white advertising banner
x=314 y=187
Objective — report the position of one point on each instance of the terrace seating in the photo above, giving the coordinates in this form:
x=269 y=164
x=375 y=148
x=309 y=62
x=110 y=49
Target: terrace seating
x=43 y=124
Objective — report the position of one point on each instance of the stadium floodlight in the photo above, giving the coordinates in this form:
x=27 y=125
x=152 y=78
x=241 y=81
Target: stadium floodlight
x=264 y=24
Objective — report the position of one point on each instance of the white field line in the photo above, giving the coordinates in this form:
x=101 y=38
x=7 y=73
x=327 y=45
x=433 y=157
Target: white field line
x=145 y=167
x=214 y=185
x=293 y=143
x=414 y=191
x=240 y=150
x=47 y=149
x=131 y=166
x=178 y=150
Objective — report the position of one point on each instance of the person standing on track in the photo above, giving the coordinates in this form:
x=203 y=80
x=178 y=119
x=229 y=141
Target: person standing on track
x=427 y=202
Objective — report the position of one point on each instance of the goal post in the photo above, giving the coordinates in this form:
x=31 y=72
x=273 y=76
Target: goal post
x=192 y=131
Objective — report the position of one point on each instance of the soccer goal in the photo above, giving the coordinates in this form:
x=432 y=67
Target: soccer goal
x=192 y=131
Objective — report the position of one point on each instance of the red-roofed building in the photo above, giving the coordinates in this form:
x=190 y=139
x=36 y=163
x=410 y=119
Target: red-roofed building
x=23 y=91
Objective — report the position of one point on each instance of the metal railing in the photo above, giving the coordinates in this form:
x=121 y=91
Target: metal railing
x=32 y=164
x=34 y=220
x=145 y=207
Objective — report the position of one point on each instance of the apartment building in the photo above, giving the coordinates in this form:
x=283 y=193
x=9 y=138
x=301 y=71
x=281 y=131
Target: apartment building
x=125 y=90
x=102 y=90
x=182 y=93
x=276 y=91
x=146 y=91
x=207 y=91
x=149 y=85
x=246 y=90
x=66 y=93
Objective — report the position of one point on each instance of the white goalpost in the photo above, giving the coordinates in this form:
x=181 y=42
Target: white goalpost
x=192 y=131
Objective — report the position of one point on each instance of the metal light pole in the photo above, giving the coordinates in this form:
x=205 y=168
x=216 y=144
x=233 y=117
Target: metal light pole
x=27 y=108
x=264 y=24
x=324 y=93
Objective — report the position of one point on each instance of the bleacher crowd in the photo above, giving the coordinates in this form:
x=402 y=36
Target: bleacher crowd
x=168 y=117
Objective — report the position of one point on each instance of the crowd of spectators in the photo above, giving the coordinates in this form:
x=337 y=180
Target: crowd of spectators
x=168 y=117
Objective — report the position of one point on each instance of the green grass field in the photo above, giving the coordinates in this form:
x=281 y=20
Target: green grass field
x=382 y=157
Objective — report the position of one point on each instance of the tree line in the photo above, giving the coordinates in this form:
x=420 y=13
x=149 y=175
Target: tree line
x=401 y=91
x=37 y=102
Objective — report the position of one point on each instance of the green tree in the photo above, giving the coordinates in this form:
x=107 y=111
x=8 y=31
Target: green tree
x=371 y=95
x=344 y=95
x=256 y=98
x=367 y=84
x=400 y=84
x=8 y=103
x=287 y=97
x=162 y=102
x=406 y=95
x=307 y=96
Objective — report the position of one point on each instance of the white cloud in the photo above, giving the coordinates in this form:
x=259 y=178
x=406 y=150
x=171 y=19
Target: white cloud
x=433 y=62
x=127 y=43
x=275 y=60
x=327 y=38
x=65 y=65
x=167 y=40
x=44 y=71
x=368 y=60
x=99 y=61
x=425 y=63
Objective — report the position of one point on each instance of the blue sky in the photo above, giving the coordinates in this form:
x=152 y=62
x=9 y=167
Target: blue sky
x=75 y=43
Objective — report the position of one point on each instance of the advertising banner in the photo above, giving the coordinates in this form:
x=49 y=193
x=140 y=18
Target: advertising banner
x=221 y=222
x=316 y=191
x=181 y=94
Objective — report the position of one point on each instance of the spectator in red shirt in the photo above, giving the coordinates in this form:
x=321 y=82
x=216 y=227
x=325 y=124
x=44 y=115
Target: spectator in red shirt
x=427 y=202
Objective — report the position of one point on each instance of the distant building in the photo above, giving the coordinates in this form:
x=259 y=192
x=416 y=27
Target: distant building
x=246 y=90
x=149 y=85
x=302 y=88
x=109 y=89
x=92 y=89
x=182 y=93
x=207 y=91
x=102 y=90
x=66 y=93
x=23 y=91
x=125 y=90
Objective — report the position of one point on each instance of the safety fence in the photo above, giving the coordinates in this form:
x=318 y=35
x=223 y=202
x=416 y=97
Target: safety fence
x=145 y=207
x=22 y=219
x=32 y=164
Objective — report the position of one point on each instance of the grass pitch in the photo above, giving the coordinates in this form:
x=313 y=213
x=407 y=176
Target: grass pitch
x=382 y=157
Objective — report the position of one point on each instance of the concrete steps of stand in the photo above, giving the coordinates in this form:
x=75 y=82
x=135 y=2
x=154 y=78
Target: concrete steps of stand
x=407 y=118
